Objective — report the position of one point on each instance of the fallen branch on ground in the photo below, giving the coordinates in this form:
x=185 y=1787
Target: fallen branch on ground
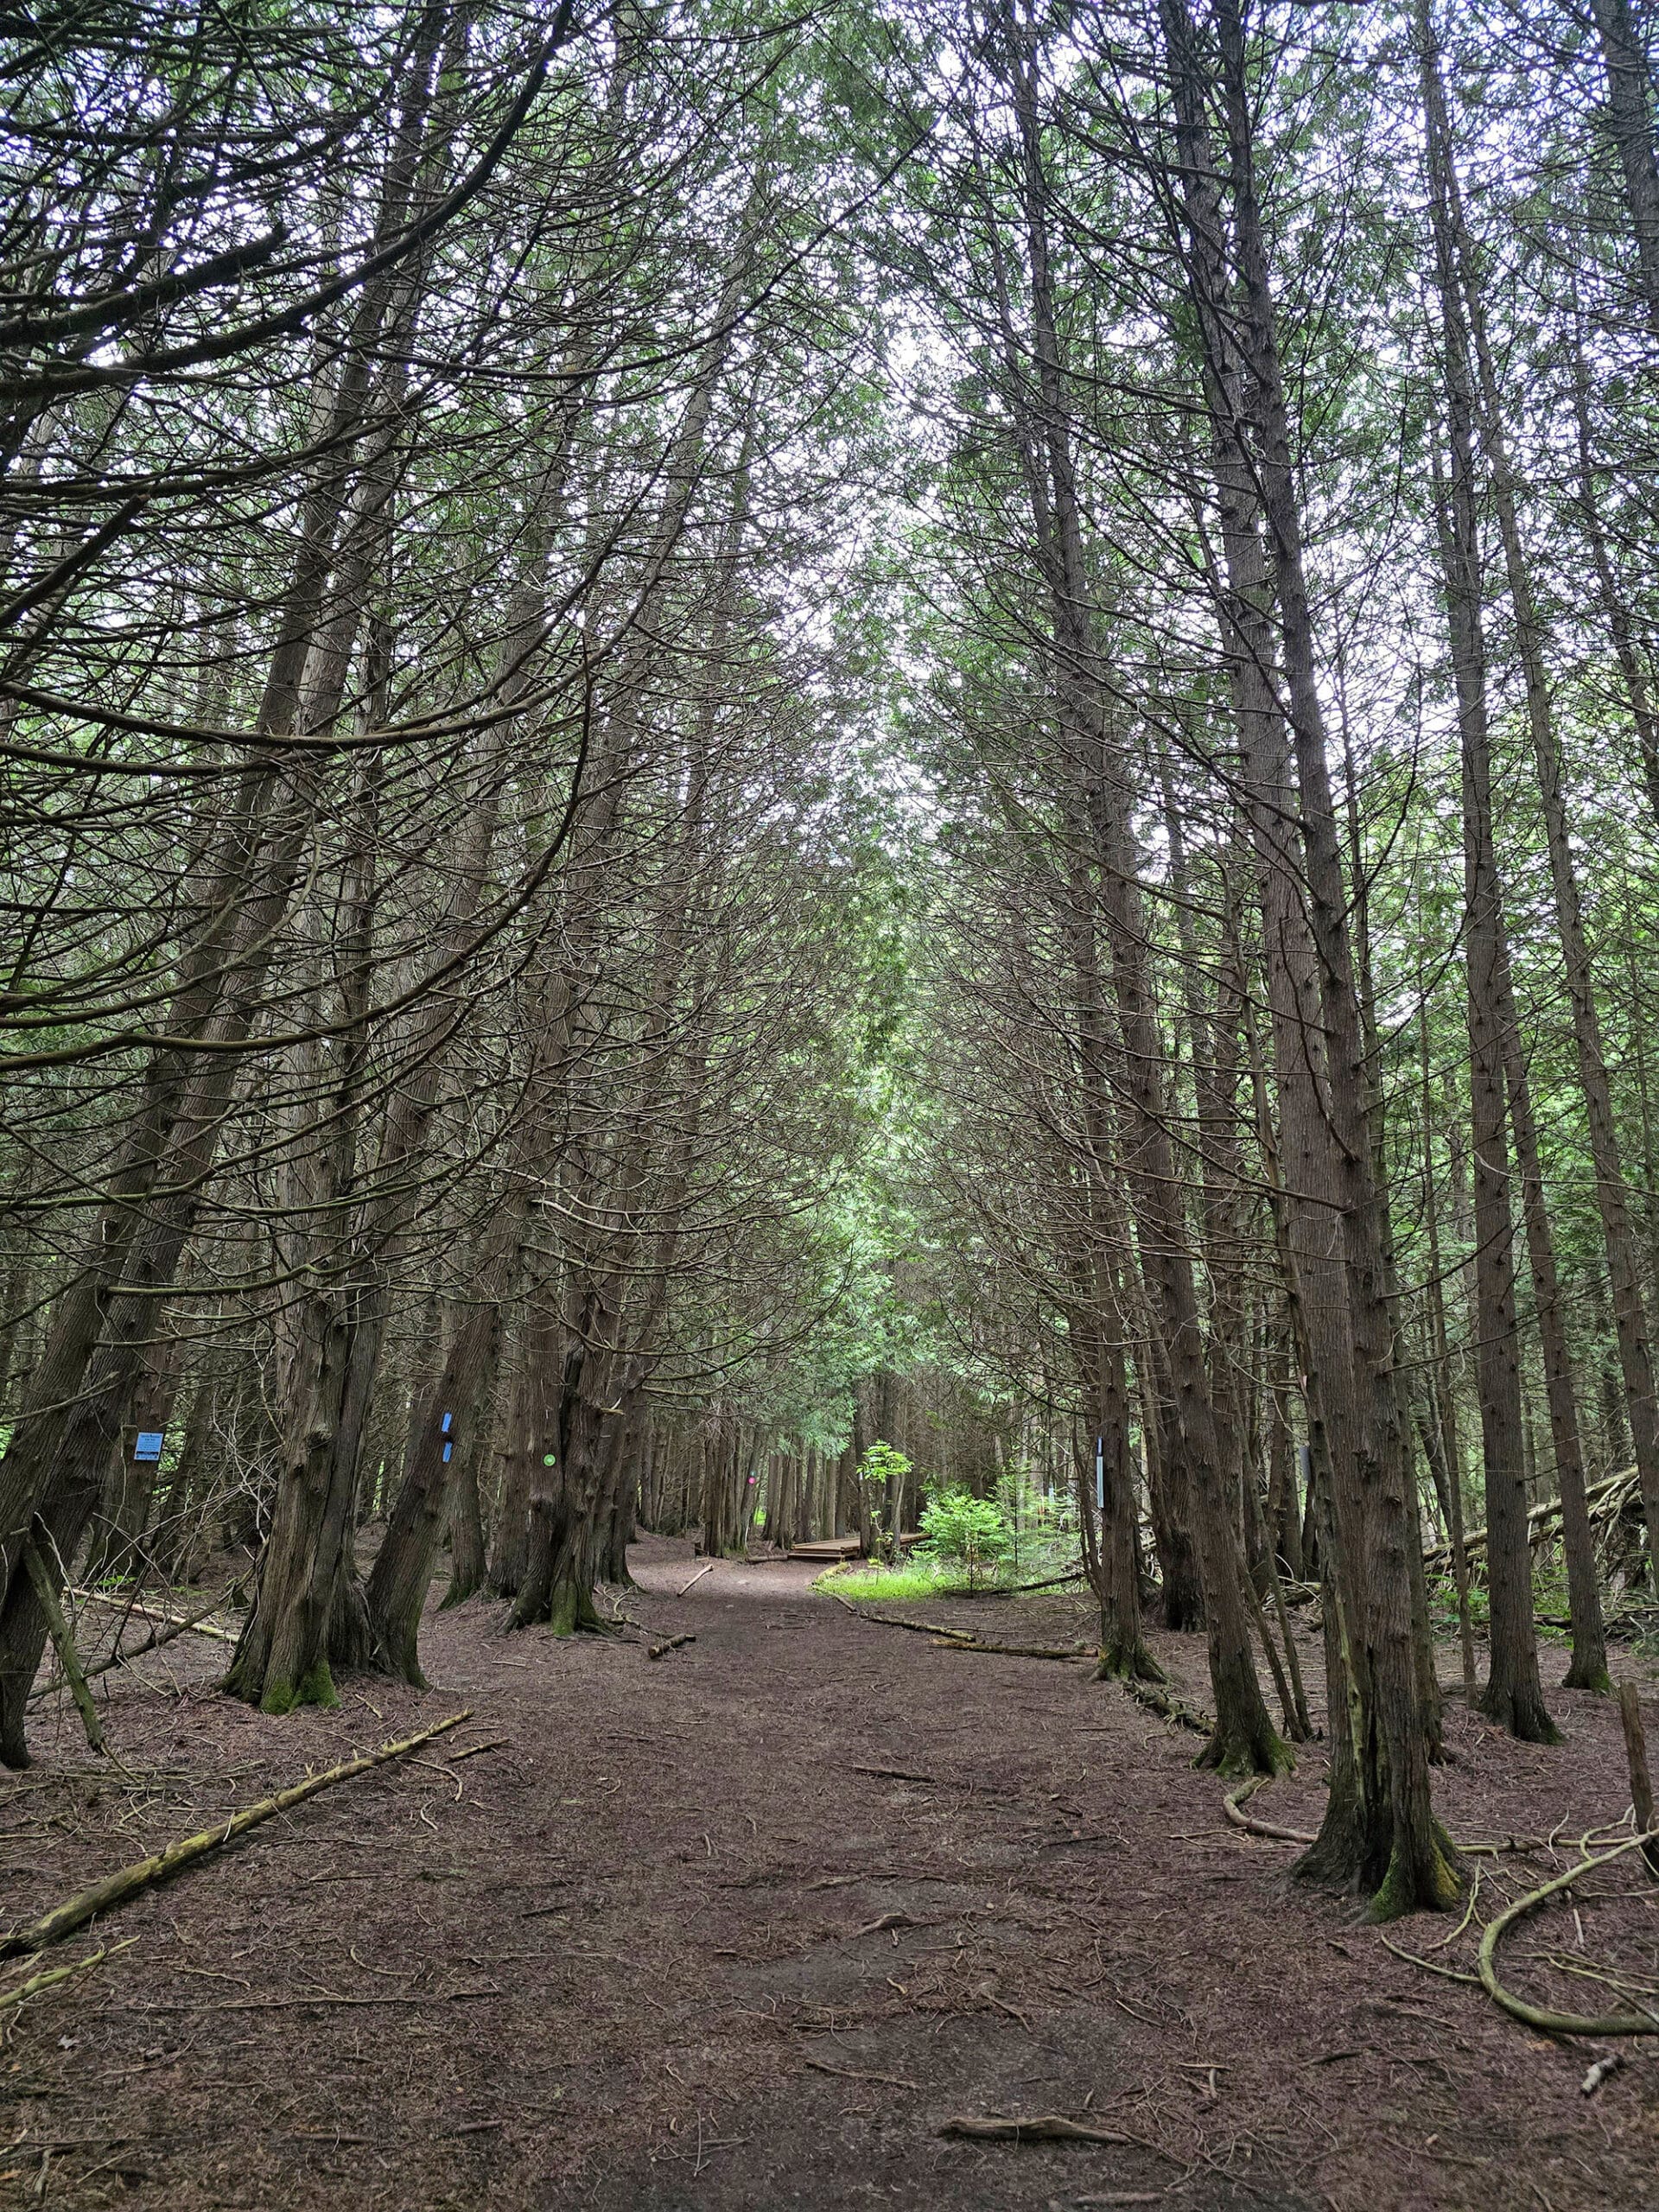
x=1015 y=1650
x=164 y=1632
x=879 y=1926
x=669 y=1643
x=169 y=1620
x=37 y=1982
x=708 y=1567
x=851 y=2074
x=126 y=1881
x=916 y=1628
x=1041 y=2128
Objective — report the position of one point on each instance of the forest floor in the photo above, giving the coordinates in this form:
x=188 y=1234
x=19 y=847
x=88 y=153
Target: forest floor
x=747 y=1925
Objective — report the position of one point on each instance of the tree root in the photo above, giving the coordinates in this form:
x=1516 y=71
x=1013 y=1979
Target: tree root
x=126 y=1881
x=1542 y=2016
x=1164 y=1701
x=1233 y=1804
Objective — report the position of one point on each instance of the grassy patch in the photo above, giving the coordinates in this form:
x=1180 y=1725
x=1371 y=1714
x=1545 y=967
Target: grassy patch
x=876 y=1585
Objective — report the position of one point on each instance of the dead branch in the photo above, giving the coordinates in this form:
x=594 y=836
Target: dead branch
x=1040 y=2127
x=46 y=1592
x=1077 y=1574
x=126 y=1881
x=37 y=1982
x=173 y=1621
x=708 y=1567
x=959 y=1643
x=669 y=1643
x=916 y=1628
x=1165 y=1703
x=851 y=2074
x=1606 y=1500
x=166 y=1630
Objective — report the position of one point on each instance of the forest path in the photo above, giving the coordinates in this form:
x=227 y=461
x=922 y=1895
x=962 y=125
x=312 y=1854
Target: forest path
x=633 y=1956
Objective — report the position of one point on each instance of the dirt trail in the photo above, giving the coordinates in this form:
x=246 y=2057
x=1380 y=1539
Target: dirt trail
x=634 y=1956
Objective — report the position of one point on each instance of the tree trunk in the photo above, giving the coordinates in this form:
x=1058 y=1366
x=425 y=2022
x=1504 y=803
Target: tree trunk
x=1631 y=126
x=1379 y=1829
x=1243 y=1738
x=1514 y=1694
x=1629 y=1314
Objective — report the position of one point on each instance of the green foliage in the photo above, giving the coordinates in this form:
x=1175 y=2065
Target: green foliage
x=959 y=1526
x=875 y=1584
x=882 y=1465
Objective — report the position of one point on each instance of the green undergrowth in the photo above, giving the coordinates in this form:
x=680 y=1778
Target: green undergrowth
x=872 y=1584
x=868 y=1582
x=1631 y=1619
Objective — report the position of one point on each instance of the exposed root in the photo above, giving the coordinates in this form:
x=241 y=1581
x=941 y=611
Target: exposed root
x=1234 y=1804
x=1260 y=1753
x=1433 y=1885
x=1164 y=1701
x=1542 y=2016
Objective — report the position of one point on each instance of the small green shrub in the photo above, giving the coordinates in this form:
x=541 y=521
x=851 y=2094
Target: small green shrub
x=968 y=1530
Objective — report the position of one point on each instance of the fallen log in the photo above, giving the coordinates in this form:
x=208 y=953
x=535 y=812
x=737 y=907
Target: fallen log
x=195 y=1623
x=960 y=1643
x=916 y=1628
x=1606 y=1500
x=125 y=1882
x=1165 y=1703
